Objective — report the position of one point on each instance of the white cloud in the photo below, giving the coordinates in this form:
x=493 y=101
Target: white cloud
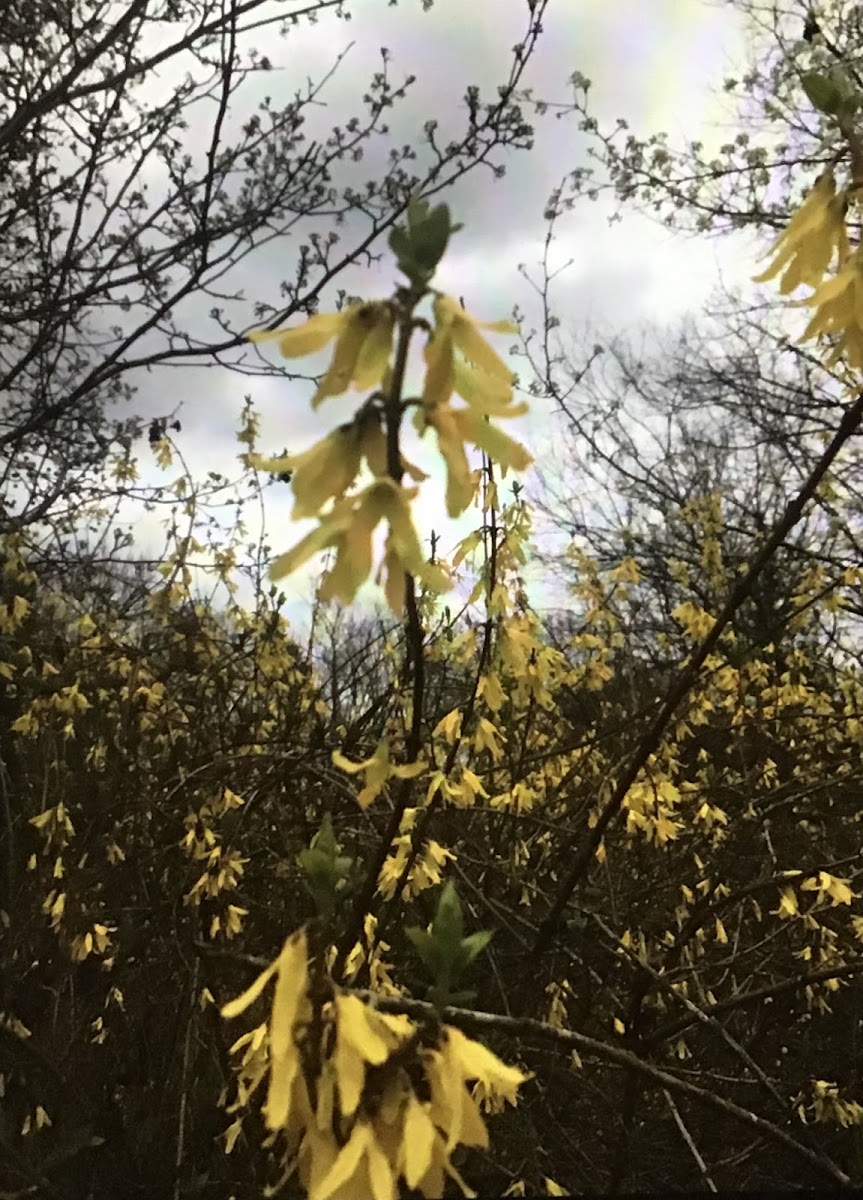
x=657 y=65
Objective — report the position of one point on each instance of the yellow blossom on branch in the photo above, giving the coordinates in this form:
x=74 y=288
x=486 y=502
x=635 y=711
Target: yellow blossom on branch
x=349 y=528
x=454 y=427
x=806 y=247
x=461 y=330
x=378 y=770
x=827 y=885
x=364 y=337
x=371 y=1098
x=838 y=305
x=326 y=470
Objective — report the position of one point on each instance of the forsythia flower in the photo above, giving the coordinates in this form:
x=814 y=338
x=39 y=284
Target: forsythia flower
x=825 y=885
x=364 y=336
x=326 y=470
x=457 y=328
x=805 y=248
x=378 y=769
x=349 y=528
x=454 y=427
x=369 y=1099
x=487 y=388
x=838 y=305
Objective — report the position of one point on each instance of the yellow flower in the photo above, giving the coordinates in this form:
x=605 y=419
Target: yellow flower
x=454 y=1110
x=826 y=884
x=364 y=337
x=290 y=1004
x=489 y=395
x=838 y=305
x=326 y=470
x=461 y=330
x=378 y=769
x=360 y=1169
x=454 y=427
x=806 y=247
x=349 y=528
x=788 y=906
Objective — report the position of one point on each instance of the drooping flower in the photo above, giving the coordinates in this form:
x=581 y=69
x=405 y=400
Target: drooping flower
x=326 y=470
x=323 y=472
x=805 y=248
x=349 y=528
x=364 y=337
x=377 y=770
x=454 y=427
x=376 y=1102
x=463 y=333
x=289 y=1002
x=838 y=305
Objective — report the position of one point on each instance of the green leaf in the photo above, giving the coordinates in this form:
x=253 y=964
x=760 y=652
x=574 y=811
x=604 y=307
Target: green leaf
x=448 y=925
x=325 y=840
x=429 y=238
x=316 y=864
x=417 y=213
x=832 y=94
x=472 y=946
x=426 y=948
x=400 y=242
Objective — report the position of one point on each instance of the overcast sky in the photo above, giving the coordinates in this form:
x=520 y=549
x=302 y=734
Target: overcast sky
x=657 y=63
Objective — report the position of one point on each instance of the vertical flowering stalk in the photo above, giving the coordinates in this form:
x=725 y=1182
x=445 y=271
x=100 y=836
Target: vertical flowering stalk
x=363 y=1101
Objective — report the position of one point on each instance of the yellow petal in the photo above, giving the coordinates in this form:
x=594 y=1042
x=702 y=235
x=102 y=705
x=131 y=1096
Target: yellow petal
x=345 y=764
x=353 y=563
x=234 y=1007
x=307 y=338
x=395 y=503
x=395 y=585
x=380 y=1172
x=460 y=484
x=283 y=1073
x=350 y=1075
x=328 y=532
x=375 y=449
x=464 y=329
x=346 y=1165
x=440 y=369
x=418 y=1141
x=325 y=471
x=432 y=1183
x=485 y=393
x=292 y=966
x=289 y=993
x=374 y=356
x=448 y=309
x=361 y=320
x=356 y=1027
x=410 y=770
x=477 y=1062
x=497 y=445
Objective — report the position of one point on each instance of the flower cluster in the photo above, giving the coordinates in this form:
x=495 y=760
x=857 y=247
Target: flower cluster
x=361 y=1099
x=321 y=477
x=804 y=253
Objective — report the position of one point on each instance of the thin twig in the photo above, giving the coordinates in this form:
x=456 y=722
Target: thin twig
x=184 y=1081
x=687 y=1137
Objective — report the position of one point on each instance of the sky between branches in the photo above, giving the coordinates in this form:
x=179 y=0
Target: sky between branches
x=657 y=63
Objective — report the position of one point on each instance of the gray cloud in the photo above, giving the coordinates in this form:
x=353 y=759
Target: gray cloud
x=653 y=72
